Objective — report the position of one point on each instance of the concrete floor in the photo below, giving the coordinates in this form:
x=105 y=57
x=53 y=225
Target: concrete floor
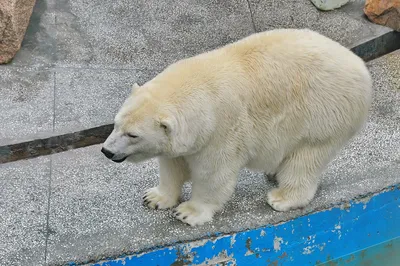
x=76 y=66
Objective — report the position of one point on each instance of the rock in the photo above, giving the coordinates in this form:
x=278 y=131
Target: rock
x=14 y=19
x=384 y=12
x=326 y=5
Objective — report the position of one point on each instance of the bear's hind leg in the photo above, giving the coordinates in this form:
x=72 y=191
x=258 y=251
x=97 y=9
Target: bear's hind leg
x=298 y=176
x=173 y=173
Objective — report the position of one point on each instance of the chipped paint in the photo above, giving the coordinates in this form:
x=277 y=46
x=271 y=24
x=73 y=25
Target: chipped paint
x=248 y=246
x=337 y=230
x=318 y=237
x=277 y=243
x=364 y=199
x=284 y=255
x=233 y=240
x=189 y=246
x=307 y=250
x=219 y=259
x=310 y=249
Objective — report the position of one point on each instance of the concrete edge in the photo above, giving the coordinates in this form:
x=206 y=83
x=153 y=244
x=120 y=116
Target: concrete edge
x=54 y=144
x=317 y=237
x=14 y=151
x=377 y=47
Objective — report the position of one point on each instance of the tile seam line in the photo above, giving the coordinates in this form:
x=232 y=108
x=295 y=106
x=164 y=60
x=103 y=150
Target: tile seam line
x=54 y=100
x=47 y=231
x=251 y=16
x=54 y=48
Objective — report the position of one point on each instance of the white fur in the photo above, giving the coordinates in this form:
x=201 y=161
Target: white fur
x=283 y=102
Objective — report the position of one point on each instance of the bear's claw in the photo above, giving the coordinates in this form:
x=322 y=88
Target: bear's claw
x=154 y=199
x=193 y=214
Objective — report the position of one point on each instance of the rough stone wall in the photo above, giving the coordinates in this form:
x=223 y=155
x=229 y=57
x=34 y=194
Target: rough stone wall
x=14 y=19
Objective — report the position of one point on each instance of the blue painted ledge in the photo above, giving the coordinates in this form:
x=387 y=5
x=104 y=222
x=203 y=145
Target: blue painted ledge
x=359 y=232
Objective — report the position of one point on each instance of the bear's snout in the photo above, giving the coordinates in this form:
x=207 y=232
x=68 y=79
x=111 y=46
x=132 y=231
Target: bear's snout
x=107 y=153
x=112 y=156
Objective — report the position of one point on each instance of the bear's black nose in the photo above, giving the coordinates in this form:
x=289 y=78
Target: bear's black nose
x=107 y=153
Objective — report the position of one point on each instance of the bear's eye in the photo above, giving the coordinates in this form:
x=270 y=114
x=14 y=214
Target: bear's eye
x=131 y=135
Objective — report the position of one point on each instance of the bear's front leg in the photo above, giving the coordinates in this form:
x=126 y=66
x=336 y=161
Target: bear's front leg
x=173 y=173
x=211 y=189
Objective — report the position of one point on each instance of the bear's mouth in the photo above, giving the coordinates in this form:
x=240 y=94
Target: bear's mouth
x=119 y=160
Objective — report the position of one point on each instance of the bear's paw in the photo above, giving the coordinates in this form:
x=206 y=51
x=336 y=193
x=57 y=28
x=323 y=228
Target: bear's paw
x=283 y=200
x=154 y=199
x=193 y=213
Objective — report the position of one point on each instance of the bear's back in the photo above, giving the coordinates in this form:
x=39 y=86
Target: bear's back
x=307 y=82
x=312 y=84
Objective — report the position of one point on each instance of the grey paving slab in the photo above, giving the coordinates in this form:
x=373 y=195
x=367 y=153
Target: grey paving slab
x=347 y=25
x=96 y=207
x=26 y=102
x=24 y=188
x=86 y=98
x=144 y=34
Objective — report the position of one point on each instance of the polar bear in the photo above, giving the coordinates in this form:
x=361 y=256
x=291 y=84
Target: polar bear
x=283 y=102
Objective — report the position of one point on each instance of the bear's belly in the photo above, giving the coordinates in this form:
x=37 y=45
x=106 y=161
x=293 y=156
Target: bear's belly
x=266 y=164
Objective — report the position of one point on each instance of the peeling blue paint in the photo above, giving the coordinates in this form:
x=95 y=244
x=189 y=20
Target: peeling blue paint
x=307 y=240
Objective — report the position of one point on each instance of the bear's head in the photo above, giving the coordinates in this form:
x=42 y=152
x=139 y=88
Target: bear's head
x=142 y=129
x=149 y=125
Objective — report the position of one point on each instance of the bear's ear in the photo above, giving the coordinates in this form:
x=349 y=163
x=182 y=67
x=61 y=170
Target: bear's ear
x=167 y=124
x=135 y=87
